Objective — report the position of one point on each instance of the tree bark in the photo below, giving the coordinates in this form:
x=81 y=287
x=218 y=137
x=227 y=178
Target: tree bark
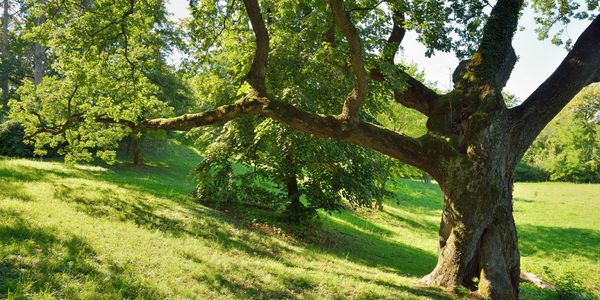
x=4 y=49
x=38 y=63
x=477 y=236
x=138 y=159
x=382 y=190
x=295 y=210
x=426 y=177
x=477 y=239
x=39 y=57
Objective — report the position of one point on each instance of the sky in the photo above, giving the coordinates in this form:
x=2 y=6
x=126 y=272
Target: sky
x=537 y=59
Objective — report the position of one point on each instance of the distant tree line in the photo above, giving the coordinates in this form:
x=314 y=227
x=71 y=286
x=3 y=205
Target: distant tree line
x=568 y=149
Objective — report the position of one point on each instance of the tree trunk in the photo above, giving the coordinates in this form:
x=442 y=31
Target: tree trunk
x=382 y=191
x=477 y=237
x=38 y=63
x=426 y=177
x=295 y=210
x=138 y=159
x=39 y=58
x=4 y=49
x=379 y=203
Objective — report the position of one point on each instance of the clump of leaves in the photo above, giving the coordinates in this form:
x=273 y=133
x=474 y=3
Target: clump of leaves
x=568 y=286
x=461 y=291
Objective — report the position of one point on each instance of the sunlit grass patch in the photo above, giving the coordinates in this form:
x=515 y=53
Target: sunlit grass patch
x=127 y=232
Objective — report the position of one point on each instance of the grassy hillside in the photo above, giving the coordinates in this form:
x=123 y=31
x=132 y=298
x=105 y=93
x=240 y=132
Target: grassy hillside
x=95 y=232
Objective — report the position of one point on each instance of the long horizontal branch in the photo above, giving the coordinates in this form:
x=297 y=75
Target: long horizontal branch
x=247 y=107
x=419 y=152
x=72 y=121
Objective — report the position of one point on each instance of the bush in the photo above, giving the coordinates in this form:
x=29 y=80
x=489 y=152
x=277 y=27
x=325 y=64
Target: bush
x=527 y=173
x=569 y=287
x=11 y=140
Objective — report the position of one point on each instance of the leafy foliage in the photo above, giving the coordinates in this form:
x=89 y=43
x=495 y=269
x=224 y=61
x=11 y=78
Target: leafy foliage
x=569 y=287
x=106 y=74
x=558 y=13
x=250 y=160
x=569 y=148
x=528 y=173
x=11 y=140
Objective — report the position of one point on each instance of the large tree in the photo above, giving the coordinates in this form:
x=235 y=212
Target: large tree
x=473 y=141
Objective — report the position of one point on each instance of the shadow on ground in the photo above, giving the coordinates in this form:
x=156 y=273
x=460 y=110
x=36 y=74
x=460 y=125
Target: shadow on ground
x=559 y=242
x=38 y=260
x=42 y=258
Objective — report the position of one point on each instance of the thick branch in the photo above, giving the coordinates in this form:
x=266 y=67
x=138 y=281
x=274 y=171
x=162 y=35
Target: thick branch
x=247 y=107
x=258 y=70
x=423 y=152
x=493 y=62
x=397 y=34
x=580 y=67
x=415 y=95
x=355 y=99
x=73 y=121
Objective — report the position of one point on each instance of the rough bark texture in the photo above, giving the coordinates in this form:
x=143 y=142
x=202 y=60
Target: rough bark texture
x=358 y=95
x=295 y=210
x=39 y=58
x=477 y=237
x=4 y=50
x=38 y=63
x=136 y=145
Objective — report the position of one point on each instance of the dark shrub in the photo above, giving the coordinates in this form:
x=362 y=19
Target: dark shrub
x=527 y=173
x=11 y=140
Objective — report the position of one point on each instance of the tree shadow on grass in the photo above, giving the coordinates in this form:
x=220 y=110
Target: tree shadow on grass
x=368 y=248
x=160 y=181
x=190 y=219
x=377 y=251
x=227 y=286
x=422 y=225
x=415 y=197
x=12 y=190
x=38 y=260
x=293 y=285
x=364 y=224
x=559 y=242
x=101 y=202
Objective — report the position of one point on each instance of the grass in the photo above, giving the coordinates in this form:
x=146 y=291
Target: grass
x=127 y=232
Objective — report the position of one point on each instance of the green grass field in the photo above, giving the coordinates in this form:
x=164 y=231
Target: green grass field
x=126 y=232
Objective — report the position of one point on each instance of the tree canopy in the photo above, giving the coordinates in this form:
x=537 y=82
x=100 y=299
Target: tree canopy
x=327 y=69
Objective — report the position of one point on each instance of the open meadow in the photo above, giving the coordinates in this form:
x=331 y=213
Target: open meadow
x=135 y=232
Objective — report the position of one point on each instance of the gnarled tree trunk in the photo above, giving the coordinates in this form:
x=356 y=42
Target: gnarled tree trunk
x=477 y=237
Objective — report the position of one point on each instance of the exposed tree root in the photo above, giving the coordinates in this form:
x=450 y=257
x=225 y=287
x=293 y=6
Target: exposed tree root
x=535 y=280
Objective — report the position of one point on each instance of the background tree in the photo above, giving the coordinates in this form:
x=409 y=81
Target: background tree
x=106 y=71
x=323 y=171
x=16 y=58
x=568 y=149
x=473 y=141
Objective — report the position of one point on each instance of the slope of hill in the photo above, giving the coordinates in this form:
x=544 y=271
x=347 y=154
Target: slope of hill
x=126 y=232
